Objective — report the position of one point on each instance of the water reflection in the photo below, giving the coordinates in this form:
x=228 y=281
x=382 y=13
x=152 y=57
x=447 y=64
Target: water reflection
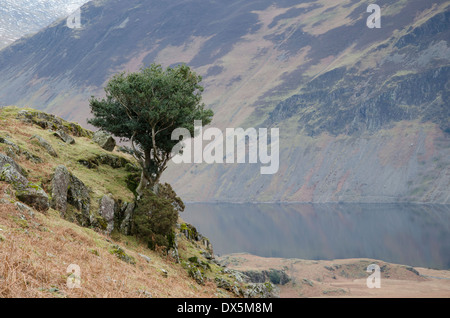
x=416 y=235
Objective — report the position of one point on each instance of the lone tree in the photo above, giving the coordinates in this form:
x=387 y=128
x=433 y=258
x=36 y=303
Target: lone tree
x=145 y=107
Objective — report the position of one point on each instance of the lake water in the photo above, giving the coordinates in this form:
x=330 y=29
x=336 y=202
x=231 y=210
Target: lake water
x=415 y=235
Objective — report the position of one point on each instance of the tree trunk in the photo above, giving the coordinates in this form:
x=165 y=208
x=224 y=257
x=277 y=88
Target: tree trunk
x=143 y=183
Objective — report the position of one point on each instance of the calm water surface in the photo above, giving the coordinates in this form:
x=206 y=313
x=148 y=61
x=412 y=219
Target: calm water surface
x=415 y=235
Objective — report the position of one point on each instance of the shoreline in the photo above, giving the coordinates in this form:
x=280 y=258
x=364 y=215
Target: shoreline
x=346 y=278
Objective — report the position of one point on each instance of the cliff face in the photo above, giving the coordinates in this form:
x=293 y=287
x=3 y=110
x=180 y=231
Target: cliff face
x=340 y=92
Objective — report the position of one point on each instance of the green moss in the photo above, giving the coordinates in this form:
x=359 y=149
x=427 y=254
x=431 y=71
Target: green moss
x=120 y=253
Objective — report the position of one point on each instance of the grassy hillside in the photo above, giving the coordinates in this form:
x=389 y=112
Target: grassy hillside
x=36 y=248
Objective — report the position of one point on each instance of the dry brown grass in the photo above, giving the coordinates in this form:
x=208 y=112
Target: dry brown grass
x=36 y=250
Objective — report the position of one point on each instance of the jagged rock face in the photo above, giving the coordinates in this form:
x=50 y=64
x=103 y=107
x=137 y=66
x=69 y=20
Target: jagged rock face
x=104 y=140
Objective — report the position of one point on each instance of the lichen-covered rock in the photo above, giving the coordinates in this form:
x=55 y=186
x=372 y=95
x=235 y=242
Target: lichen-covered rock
x=27 y=192
x=127 y=213
x=8 y=160
x=60 y=186
x=120 y=253
x=68 y=189
x=106 y=210
x=45 y=144
x=265 y=290
x=79 y=197
x=49 y=121
x=104 y=140
x=105 y=159
x=10 y=174
x=64 y=137
x=33 y=195
x=197 y=275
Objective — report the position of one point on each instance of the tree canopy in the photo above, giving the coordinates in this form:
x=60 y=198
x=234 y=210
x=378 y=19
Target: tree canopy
x=145 y=107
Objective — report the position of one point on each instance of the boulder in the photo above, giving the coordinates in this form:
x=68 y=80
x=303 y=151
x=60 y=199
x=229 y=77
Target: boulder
x=104 y=140
x=106 y=210
x=8 y=160
x=69 y=190
x=64 y=137
x=34 y=196
x=45 y=144
x=60 y=186
x=10 y=174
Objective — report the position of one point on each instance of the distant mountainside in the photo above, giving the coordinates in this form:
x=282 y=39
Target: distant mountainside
x=22 y=17
x=363 y=113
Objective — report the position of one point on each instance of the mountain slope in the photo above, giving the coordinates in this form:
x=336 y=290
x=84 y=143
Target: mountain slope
x=363 y=113
x=23 y=17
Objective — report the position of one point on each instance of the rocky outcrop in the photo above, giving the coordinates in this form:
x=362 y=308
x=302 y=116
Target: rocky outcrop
x=14 y=150
x=104 y=140
x=68 y=189
x=192 y=234
x=275 y=276
x=61 y=134
x=27 y=192
x=113 y=161
x=49 y=121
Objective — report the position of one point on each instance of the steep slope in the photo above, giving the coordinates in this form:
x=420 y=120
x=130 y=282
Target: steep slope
x=19 y=18
x=39 y=248
x=363 y=113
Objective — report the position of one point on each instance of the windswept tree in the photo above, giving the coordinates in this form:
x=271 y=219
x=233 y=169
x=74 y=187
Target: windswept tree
x=145 y=107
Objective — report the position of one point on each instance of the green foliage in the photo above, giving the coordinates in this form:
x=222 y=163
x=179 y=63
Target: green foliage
x=156 y=215
x=145 y=107
x=132 y=181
